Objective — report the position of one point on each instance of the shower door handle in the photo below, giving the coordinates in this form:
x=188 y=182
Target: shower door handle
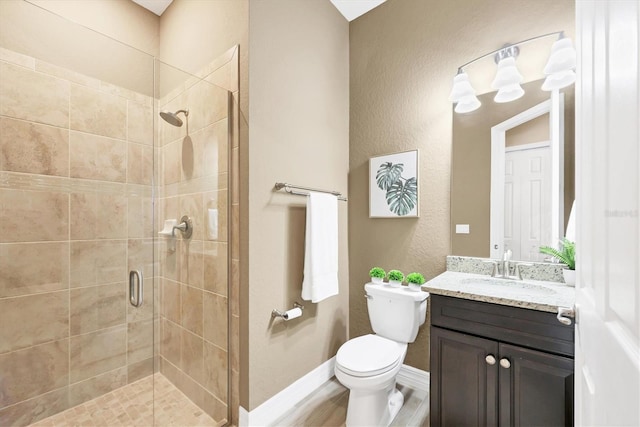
x=136 y=296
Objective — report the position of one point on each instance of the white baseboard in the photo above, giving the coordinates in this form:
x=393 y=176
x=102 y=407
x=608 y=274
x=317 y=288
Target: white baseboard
x=278 y=405
x=412 y=377
x=286 y=399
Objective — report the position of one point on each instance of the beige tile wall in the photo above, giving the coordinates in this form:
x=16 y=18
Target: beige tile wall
x=194 y=175
x=76 y=169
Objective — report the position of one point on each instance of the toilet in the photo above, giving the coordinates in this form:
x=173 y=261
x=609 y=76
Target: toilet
x=368 y=365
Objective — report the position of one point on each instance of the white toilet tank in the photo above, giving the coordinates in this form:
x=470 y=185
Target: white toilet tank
x=396 y=313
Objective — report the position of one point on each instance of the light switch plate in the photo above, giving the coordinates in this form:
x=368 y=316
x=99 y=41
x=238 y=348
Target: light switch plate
x=462 y=228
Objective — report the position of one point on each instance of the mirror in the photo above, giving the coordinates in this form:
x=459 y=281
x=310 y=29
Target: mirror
x=533 y=185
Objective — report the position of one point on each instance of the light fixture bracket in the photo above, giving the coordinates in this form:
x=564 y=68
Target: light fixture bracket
x=506 y=52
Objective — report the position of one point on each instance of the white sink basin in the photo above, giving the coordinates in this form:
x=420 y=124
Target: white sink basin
x=533 y=294
x=509 y=286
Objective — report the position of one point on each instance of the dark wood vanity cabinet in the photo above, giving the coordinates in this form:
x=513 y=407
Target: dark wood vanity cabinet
x=493 y=365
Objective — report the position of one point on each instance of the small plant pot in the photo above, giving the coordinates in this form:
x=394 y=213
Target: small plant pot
x=414 y=287
x=377 y=280
x=569 y=277
x=395 y=283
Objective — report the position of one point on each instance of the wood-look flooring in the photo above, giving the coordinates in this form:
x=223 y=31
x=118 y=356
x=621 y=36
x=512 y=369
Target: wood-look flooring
x=327 y=406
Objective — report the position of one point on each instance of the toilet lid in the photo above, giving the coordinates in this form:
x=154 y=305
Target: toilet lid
x=369 y=355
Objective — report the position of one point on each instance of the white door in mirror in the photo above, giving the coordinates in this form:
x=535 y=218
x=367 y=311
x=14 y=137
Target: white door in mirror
x=527 y=201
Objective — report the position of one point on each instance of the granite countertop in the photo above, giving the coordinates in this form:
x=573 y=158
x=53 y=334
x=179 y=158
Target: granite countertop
x=531 y=294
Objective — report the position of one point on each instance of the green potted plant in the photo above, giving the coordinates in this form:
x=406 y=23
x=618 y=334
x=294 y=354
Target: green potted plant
x=566 y=255
x=377 y=274
x=415 y=281
x=395 y=278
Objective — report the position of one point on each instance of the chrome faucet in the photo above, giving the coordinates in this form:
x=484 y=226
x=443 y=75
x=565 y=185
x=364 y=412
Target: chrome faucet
x=502 y=269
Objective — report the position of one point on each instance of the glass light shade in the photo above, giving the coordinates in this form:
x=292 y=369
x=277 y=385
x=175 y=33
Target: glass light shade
x=467 y=104
x=509 y=93
x=562 y=58
x=507 y=73
x=559 y=80
x=461 y=88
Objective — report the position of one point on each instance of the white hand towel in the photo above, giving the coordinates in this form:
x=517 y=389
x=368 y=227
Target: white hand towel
x=321 y=248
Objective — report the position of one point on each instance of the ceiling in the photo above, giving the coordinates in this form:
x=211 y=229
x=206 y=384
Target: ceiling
x=350 y=9
x=155 y=6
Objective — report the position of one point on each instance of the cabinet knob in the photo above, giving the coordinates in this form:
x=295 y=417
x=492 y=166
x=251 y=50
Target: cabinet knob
x=505 y=363
x=490 y=359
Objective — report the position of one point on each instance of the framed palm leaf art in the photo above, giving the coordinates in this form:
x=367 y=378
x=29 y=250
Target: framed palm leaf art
x=393 y=185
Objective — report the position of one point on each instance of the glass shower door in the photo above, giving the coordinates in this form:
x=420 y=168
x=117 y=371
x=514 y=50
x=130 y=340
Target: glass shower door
x=76 y=215
x=193 y=155
x=103 y=321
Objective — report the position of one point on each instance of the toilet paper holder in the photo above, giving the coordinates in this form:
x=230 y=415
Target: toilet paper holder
x=285 y=314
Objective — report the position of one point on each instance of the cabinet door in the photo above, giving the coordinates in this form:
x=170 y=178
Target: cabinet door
x=536 y=389
x=463 y=385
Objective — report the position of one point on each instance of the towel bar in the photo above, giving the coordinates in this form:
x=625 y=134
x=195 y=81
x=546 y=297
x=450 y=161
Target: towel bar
x=293 y=189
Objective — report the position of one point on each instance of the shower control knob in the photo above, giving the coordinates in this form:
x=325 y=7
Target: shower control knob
x=505 y=363
x=490 y=359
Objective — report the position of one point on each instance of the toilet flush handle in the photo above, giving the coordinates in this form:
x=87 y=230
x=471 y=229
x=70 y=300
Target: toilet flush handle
x=367 y=296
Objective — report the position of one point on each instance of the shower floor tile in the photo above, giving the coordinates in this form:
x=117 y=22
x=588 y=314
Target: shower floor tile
x=132 y=405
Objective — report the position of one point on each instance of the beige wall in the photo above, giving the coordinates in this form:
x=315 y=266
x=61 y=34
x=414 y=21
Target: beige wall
x=535 y=130
x=404 y=55
x=299 y=118
x=122 y=20
x=37 y=32
x=193 y=32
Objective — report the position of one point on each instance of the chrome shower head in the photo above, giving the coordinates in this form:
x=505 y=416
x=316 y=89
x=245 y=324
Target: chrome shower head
x=172 y=118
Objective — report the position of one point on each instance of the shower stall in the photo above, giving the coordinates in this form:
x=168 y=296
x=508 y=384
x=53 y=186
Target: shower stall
x=104 y=320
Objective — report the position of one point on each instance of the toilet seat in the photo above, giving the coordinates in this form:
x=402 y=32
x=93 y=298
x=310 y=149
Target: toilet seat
x=369 y=355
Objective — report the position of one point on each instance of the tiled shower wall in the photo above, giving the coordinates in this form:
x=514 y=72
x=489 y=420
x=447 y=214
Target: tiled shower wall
x=76 y=164
x=194 y=272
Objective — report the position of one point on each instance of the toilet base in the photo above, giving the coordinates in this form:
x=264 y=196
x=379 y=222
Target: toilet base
x=396 y=400
x=373 y=407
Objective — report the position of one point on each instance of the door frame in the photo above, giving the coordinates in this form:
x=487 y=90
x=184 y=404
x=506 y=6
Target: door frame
x=555 y=107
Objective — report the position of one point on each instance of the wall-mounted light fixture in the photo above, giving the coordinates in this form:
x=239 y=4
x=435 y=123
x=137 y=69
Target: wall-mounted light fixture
x=561 y=65
x=508 y=78
x=559 y=73
x=463 y=94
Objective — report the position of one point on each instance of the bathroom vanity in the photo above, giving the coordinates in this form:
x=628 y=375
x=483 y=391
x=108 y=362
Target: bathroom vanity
x=499 y=354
